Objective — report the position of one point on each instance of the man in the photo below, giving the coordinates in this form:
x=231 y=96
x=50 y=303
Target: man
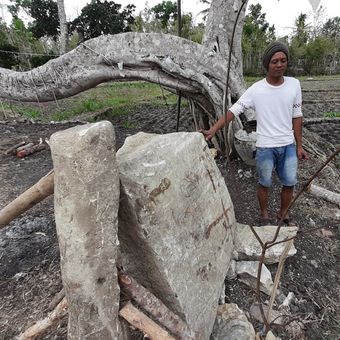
x=277 y=101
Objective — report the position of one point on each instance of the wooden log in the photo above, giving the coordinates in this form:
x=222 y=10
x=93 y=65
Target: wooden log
x=139 y=320
x=156 y=308
x=43 y=188
x=327 y=195
x=30 y=149
x=43 y=325
x=13 y=148
x=24 y=147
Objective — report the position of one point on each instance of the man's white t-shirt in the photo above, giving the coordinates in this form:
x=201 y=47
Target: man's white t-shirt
x=275 y=107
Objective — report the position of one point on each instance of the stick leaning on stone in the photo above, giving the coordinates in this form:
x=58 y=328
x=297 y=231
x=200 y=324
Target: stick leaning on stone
x=35 y=194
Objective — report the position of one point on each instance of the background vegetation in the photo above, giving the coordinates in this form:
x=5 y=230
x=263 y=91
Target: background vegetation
x=314 y=49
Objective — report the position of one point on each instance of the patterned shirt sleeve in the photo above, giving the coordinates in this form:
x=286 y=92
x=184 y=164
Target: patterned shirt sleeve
x=245 y=102
x=297 y=105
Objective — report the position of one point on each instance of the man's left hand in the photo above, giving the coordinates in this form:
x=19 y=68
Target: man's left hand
x=302 y=154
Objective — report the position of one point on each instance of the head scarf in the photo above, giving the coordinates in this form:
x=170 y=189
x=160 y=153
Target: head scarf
x=272 y=48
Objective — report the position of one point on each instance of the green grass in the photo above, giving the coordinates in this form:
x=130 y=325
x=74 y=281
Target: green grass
x=122 y=97
x=129 y=125
x=23 y=110
x=332 y=114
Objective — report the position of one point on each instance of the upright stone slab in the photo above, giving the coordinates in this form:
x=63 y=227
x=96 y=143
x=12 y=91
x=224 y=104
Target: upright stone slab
x=86 y=198
x=175 y=223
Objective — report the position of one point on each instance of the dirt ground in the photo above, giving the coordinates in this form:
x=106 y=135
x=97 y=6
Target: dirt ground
x=30 y=273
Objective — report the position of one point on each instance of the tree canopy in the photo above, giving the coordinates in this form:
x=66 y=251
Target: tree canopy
x=105 y=17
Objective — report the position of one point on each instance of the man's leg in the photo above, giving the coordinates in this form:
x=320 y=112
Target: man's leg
x=264 y=168
x=287 y=171
x=262 y=196
x=286 y=198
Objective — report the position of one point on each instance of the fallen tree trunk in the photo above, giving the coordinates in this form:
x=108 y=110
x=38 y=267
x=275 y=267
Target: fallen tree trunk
x=197 y=71
x=328 y=195
x=139 y=320
x=43 y=325
x=43 y=188
x=156 y=308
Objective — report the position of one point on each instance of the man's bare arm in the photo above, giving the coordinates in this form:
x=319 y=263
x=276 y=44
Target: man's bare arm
x=297 y=127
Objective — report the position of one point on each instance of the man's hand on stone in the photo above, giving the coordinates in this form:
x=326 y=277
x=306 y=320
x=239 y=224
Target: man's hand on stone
x=208 y=134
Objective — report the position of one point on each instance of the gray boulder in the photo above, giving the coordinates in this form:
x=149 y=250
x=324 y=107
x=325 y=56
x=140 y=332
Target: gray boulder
x=86 y=199
x=176 y=223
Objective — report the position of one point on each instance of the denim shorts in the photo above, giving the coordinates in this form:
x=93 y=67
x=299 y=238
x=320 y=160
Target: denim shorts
x=283 y=159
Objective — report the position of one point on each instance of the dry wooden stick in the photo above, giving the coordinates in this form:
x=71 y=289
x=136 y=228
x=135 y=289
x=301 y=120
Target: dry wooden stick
x=156 y=308
x=14 y=148
x=139 y=320
x=283 y=257
x=43 y=325
x=43 y=188
x=55 y=301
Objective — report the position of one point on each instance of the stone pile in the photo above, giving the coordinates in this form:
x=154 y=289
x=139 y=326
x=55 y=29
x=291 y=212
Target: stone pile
x=160 y=209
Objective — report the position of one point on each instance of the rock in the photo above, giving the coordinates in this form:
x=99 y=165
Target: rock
x=314 y=263
x=271 y=336
x=247 y=273
x=276 y=317
x=176 y=221
x=336 y=214
x=86 y=200
x=231 y=273
x=232 y=324
x=222 y=299
x=288 y=300
x=247 y=247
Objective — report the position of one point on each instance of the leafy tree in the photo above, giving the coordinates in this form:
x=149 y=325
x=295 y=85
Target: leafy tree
x=318 y=54
x=31 y=52
x=299 y=39
x=331 y=31
x=44 y=14
x=7 y=59
x=301 y=30
x=166 y=13
x=106 y=17
x=331 y=28
x=257 y=33
x=165 y=20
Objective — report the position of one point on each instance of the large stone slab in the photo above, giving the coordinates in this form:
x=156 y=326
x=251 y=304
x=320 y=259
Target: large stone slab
x=247 y=247
x=86 y=198
x=175 y=223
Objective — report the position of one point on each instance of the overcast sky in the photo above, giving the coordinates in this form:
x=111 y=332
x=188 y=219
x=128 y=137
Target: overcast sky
x=281 y=13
